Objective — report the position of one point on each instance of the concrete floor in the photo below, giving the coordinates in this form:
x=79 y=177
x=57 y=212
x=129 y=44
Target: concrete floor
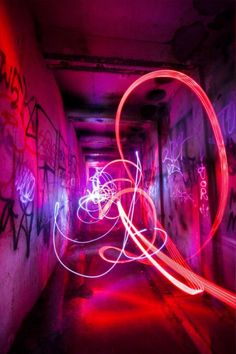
x=131 y=310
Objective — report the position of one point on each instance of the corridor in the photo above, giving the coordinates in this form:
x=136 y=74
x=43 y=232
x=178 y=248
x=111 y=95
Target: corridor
x=117 y=177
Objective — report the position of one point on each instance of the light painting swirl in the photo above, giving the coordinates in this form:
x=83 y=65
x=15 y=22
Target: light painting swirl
x=104 y=202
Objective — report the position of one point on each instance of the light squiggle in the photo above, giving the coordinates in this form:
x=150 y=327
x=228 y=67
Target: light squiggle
x=152 y=243
x=25 y=184
x=203 y=98
x=98 y=203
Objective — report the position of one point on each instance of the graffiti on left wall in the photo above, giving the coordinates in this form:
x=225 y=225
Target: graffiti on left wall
x=38 y=167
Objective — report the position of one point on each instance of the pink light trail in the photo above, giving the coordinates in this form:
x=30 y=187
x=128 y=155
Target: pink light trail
x=107 y=193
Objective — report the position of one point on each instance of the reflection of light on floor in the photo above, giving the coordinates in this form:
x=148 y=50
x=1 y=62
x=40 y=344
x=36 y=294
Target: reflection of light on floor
x=115 y=306
x=130 y=315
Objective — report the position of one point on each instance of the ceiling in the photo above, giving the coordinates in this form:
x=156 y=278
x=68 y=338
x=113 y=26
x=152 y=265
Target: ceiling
x=96 y=49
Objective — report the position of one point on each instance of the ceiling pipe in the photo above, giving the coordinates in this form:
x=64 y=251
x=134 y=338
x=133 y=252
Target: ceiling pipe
x=59 y=61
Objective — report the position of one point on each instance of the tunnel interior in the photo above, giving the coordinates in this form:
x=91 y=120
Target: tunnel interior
x=118 y=177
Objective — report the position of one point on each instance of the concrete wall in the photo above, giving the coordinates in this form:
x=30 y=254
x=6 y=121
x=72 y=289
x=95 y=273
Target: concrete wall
x=190 y=180
x=39 y=166
x=220 y=83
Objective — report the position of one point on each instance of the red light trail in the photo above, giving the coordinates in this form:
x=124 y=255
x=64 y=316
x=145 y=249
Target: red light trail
x=155 y=246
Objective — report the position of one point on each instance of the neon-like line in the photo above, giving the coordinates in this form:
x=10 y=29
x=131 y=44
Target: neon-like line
x=130 y=256
x=172 y=279
x=88 y=241
x=218 y=292
x=56 y=211
x=105 y=194
x=193 y=85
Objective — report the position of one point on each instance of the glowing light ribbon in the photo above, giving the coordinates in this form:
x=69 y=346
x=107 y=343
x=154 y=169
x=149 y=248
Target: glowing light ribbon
x=100 y=200
x=199 y=92
x=107 y=194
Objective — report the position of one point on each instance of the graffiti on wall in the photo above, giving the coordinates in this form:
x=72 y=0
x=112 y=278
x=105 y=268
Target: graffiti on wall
x=39 y=167
x=203 y=192
x=180 y=168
